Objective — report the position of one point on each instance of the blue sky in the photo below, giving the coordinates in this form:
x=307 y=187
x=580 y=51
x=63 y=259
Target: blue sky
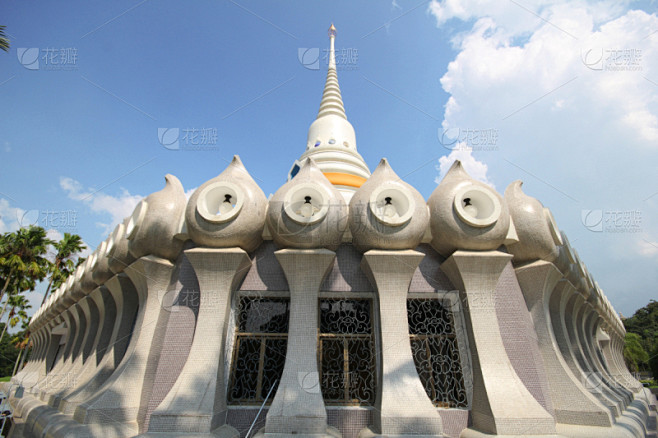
x=566 y=94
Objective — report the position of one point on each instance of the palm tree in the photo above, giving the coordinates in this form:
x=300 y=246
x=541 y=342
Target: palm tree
x=20 y=285
x=63 y=265
x=22 y=255
x=4 y=41
x=19 y=304
x=22 y=342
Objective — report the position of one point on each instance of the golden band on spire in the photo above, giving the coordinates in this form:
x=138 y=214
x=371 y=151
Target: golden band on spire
x=332 y=30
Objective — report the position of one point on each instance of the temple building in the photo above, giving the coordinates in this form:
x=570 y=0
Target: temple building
x=346 y=305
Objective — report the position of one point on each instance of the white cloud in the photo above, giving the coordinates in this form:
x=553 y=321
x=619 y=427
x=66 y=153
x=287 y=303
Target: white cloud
x=54 y=234
x=602 y=71
x=118 y=207
x=476 y=169
x=190 y=192
x=647 y=248
x=9 y=216
x=571 y=87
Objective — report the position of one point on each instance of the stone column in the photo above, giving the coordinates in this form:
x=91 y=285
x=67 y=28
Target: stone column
x=593 y=374
x=116 y=405
x=90 y=316
x=31 y=378
x=563 y=293
x=66 y=372
x=33 y=408
x=99 y=323
x=622 y=374
x=197 y=401
x=40 y=367
x=502 y=405
x=573 y=404
x=603 y=345
x=589 y=337
x=39 y=341
x=403 y=407
x=298 y=408
x=73 y=336
x=571 y=306
x=106 y=308
x=125 y=301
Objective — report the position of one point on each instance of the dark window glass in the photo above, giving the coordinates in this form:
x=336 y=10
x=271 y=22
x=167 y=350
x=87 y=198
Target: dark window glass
x=345 y=354
x=259 y=351
x=436 y=353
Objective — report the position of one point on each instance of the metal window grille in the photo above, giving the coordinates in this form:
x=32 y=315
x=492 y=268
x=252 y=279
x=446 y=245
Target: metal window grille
x=436 y=353
x=259 y=352
x=346 y=352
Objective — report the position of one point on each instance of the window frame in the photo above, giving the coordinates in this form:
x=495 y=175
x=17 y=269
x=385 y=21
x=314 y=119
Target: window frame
x=234 y=338
x=451 y=301
x=347 y=401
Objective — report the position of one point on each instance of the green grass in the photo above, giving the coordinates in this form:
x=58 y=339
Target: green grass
x=5 y=379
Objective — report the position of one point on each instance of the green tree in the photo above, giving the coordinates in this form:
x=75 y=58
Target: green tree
x=63 y=265
x=634 y=353
x=23 y=262
x=644 y=323
x=17 y=312
x=653 y=364
x=4 y=41
x=8 y=354
x=21 y=342
x=23 y=257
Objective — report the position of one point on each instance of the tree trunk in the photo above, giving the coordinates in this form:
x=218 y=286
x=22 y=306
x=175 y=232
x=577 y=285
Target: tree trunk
x=4 y=330
x=4 y=289
x=47 y=291
x=25 y=350
x=2 y=313
x=18 y=359
x=57 y=264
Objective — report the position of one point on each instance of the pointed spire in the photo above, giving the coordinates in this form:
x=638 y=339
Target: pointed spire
x=331 y=140
x=332 y=102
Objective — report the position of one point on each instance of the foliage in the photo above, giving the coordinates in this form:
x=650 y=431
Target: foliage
x=17 y=312
x=25 y=261
x=634 y=353
x=4 y=41
x=644 y=323
x=66 y=251
x=8 y=353
x=653 y=365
